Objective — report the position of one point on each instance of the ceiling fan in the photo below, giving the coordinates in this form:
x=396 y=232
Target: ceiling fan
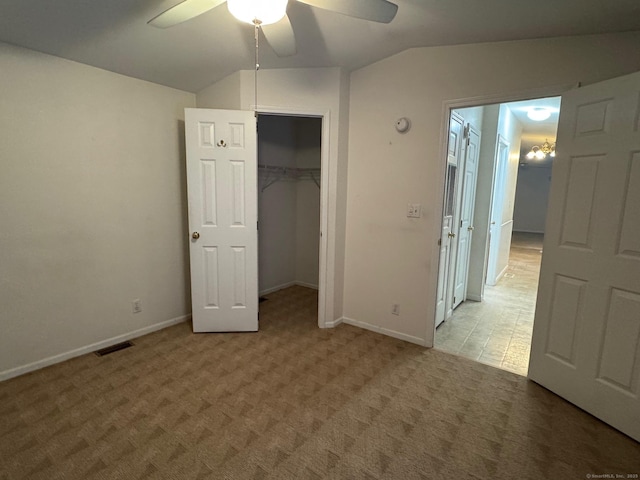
x=271 y=16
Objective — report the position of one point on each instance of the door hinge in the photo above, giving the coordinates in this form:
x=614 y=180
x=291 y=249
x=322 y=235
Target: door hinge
x=439 y=242
x=257 y=225
x=454 y=300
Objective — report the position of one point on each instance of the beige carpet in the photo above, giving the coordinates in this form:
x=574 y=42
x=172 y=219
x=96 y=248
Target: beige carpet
x=294 y=402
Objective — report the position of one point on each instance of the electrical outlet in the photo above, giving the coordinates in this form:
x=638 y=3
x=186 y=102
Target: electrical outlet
x=414 y=210
x=136 y=306
x=395 y=309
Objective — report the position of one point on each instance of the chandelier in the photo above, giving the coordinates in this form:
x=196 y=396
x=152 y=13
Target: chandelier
x=540 y=152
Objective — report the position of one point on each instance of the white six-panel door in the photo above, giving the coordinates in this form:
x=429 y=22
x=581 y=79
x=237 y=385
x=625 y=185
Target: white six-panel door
x=586 y=338
x=222 y=191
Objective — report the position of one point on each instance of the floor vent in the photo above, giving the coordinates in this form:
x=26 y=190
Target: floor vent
x=113 y=348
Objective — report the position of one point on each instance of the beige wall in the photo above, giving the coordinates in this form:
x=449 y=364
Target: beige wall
x=92 y=208
x=92 y=197
x=532 y=198
x=390 y=258
x=224 y=94
x=276 y=206
x=308 y=155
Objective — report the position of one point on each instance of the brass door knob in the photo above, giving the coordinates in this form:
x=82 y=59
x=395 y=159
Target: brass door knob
x=195 y=235
x=451 y=235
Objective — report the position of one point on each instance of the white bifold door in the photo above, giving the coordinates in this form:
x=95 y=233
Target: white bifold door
x=454 y=159
x=222 y=192
x=467 y=206
x=586 y=338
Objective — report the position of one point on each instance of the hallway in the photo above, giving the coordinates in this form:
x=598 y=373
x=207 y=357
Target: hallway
x=497 y=331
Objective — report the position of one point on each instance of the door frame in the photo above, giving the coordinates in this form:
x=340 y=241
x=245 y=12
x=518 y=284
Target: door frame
x=325 y=281
x=447 y=107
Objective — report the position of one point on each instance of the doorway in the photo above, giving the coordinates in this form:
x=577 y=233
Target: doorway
x=289 y=203
x=493 y=321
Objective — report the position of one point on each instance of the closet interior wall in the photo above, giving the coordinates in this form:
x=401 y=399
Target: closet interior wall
x=288 y=202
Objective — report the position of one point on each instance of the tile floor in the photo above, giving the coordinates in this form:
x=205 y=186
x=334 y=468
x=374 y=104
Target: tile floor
x=497 y=331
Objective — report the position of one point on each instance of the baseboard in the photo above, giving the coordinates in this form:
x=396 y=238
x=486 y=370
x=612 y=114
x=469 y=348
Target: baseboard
x=45 y=362
x=287 y=285
x=499 y=276
x=276 y=288
x=305 y=284
x=528 y=231
x=474 y=298
x=384 y=331
x=334 y=324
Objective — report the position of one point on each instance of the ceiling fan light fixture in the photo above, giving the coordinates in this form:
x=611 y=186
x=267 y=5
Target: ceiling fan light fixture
x=261 y=12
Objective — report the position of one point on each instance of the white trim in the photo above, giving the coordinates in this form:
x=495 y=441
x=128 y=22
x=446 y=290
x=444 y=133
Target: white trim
x=334 y=324
x=474 y=298
x=484 y=100
x=447 y=107
x=307 y=285
x=287 y=285
x=45 y=362
x=325 y=280
x=384 y=331
x=499 y=276
x=276 y=288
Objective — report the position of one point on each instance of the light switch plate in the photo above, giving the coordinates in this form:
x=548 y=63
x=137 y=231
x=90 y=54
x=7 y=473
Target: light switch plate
x=414 y=210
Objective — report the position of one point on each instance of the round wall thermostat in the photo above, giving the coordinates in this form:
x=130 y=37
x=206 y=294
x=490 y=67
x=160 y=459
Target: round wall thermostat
x=403 y=125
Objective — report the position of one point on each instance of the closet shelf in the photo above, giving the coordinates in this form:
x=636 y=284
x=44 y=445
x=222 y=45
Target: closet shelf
x=270 y=174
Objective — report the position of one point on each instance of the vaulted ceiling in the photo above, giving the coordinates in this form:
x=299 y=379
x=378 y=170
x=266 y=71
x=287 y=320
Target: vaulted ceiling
x=114 y=35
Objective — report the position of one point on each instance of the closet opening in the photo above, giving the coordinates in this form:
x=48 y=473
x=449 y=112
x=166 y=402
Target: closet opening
x=289 y=210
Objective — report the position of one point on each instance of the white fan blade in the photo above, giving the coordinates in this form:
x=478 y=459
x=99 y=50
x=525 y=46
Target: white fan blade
x=183 y=11
x=375 y=10
x=281 y=37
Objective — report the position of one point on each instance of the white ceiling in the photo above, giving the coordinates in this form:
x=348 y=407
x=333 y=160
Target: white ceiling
x=114 y=35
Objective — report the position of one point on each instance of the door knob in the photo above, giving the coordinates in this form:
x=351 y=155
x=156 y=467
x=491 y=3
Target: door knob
x=195 y=235
x=451 y=235
x=470 y=228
